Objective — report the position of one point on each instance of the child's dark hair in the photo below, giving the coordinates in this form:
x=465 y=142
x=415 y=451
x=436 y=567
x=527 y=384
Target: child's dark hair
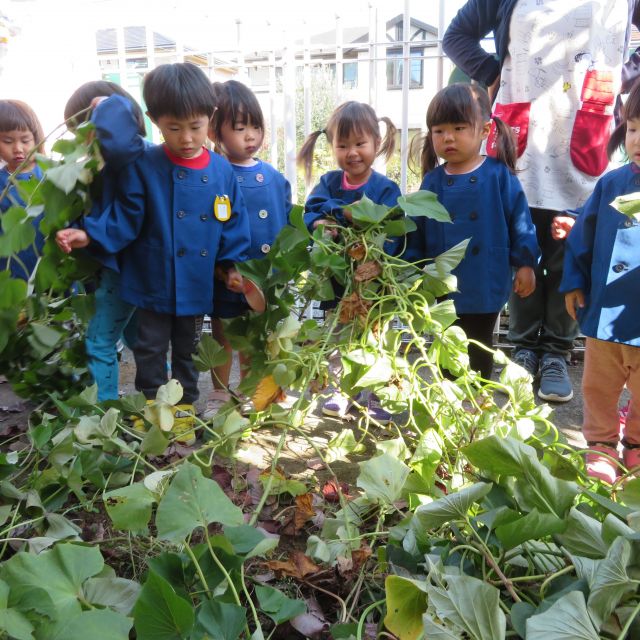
x=630 y=110
x=76 y=111
x=180 y=90
x=235 y=103
x=461 y=103
x=16 y=115
x=350 y=117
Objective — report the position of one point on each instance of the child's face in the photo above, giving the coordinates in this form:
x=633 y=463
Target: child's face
x=184 y=137
x=632 y=140
x=14 y=148
x=458 y=144
x=240 y=141
x=355 y=155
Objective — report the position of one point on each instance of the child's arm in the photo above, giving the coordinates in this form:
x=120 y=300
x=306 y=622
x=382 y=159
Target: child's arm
x=69 y=239
x=322 y=205
x=574 y=300
x=523 y=242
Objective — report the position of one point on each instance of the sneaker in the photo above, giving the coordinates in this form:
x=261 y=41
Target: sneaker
x=376 y=412
x=631 y=457
x=600 y=462
x=555 y=384
x=337 y=405
x=528 y=360
x=216 y=400
x=184 y=422
x=138 y=422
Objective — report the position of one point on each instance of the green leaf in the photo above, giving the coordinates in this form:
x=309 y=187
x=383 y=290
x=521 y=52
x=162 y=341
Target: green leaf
x=160 y=614
x=533 y=526
x=97 y=624
x=61 y=571
x=628 y=204
x=368 y=212
x=193 y=501
x=631 y=493
x=583 y=536
x=406 y=602
x=382 y=478
x=210 y=353
x=446 y=262
x=341 y=445
x=277 y=606
x=450 y=508
x=280 y=484
x=221 y=620
x=130 y=507
x=566 y=619
x=65 y=176
x=249 y=541
x=13 y=622
x=155 y=442
x=118 y=594
x=470 y=604
x=424 y=203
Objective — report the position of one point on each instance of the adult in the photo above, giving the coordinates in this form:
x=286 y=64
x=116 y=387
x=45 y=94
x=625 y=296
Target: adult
x=555 y=76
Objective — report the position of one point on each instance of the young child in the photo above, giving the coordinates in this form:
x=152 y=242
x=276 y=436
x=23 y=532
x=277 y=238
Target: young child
x=20 y=133
x=601 y=280
x=120 y=129
x=354 y=135
x=487 y=206
x=237 y=130
x=178 y=213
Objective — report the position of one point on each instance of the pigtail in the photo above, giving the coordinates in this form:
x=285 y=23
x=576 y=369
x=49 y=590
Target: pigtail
x=428 y=157
x=506 y=150
x=305 y=155
x=617 y=138
x=388 y=145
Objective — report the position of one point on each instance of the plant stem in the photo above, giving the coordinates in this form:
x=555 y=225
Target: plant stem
x=627 y=626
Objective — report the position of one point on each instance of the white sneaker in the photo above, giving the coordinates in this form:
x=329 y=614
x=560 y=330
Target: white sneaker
x=216 y=400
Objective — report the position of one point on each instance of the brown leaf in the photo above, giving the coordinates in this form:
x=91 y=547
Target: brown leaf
x=357 y=251
x=297 y=566
x=368 y=271
x=266 y=392
x=331 y=490
x=352 y=307
x=304 y=510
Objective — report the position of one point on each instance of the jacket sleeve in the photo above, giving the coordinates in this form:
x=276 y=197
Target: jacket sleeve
x=461 y=41
x=288 y=204
x=117 y=131
x=235 y=241
x=523 y=243
x=578 y=250
x=321 y=204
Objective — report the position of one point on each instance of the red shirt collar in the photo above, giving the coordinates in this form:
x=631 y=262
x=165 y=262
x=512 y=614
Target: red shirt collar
x=199 y=162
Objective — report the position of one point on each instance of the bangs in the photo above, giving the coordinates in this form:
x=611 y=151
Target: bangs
x=16 y=115
x=454 y=104
x=353 y=118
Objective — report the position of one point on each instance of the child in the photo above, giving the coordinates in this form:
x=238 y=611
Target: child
x=487 y=206
x=237 y=130
x=178 y=213
x=20 y=133
x=601 y=280
x=120 y=130
x=354 y=135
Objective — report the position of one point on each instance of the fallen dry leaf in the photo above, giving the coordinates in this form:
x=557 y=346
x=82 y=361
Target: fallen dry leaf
x=266 y=392
x=368 y=271
x=297 y=566
x=352 y=307
x=357 y=251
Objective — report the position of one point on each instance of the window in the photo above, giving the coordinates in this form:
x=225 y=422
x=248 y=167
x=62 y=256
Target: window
x=395 y=65
x=350 y=75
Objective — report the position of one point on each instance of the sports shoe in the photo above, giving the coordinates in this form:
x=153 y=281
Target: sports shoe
x=216 y=400
x=138 y=422
x=600 y=463
x=184 y=422
x=337 y=405
x=528 y=360
x=555 y=384
x=631 y=457
x=376 y=412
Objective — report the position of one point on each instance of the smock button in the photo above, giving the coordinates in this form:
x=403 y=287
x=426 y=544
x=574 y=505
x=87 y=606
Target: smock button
x=473 y=215
x=618 y=267
x=473 y=179
x=203 y=216
x=452 y=216
x=204 y=253
x=259 y=177
x=450 y=181
x=265 y=248
x=205 y=178
x=181 y=252
x=628 y=223
x=263 y=213
x=475 y=251
x=181 y=214
x=181 y=175
x=240 y=178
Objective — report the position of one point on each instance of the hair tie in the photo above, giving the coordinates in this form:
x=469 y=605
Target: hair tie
x=323 y=131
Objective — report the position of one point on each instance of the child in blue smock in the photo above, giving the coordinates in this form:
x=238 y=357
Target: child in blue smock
x=237 y=130
x=487 y=206
x=178 y=213
x=20 y=133
x=120 y=131
x=601 y=281
x=353 y=132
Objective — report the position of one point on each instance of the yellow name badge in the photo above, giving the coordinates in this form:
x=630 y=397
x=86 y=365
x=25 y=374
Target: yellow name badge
x=222 y=208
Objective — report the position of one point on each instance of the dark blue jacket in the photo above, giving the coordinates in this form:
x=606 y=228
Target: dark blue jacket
x=602 y=258
x=489 y=207
x=478 y=18
x=163 y=227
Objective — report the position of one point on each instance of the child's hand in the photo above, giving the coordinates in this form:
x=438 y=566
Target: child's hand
x=574 y=300
x=525 y=282
x=233 y=280
x=561 y=226
x=69 y=239
x=97 y=100
x=331 y=230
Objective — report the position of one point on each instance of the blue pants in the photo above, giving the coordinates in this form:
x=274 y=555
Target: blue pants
x=111 y=317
